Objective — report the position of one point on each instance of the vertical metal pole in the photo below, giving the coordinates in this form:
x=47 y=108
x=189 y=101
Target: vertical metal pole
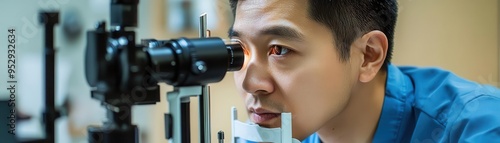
x=185 y=122
x=205 y=115
x=234 y=117
x=204 y=99
x=50 y=114
x=220 y=136
x=49 y=83
x=203 y=25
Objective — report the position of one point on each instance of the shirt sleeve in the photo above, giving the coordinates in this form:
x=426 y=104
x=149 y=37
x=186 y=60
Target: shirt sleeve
x=479 y=121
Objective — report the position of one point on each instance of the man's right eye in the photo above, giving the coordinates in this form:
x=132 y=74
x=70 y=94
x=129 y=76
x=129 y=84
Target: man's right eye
x=278 y=50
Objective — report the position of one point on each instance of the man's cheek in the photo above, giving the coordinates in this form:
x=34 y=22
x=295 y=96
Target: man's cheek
x=304 y=121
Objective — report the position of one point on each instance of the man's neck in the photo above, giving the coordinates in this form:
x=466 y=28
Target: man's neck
x=358 y=121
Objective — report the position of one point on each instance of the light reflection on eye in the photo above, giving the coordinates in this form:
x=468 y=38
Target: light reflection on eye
x=278 y=50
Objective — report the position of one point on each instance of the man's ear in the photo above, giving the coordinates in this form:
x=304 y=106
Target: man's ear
x=374 y=52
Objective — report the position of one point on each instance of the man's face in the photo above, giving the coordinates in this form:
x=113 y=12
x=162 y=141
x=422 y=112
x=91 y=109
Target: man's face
x=292 y=66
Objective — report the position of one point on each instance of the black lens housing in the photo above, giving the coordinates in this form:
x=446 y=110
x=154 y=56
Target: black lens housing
x=198 y=61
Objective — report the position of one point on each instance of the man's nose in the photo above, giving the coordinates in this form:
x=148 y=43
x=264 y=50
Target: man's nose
x=258 y=80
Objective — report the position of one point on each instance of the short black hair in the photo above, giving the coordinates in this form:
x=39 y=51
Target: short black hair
x=349 y=19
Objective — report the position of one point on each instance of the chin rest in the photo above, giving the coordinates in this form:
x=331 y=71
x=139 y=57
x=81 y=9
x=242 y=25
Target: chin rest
x=255 y=133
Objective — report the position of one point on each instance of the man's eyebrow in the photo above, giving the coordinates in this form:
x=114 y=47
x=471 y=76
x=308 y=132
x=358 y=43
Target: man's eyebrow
x=284 y=32
x=279 y=31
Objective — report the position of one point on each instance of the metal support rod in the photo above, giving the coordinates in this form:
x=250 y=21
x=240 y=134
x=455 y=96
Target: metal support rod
x=49 y=19
x=220 y=136
x=204 y=105
x=186 y=126
x=204 y=99
x=203 y=25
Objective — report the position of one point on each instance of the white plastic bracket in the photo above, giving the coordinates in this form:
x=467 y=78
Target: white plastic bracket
x=255 y=133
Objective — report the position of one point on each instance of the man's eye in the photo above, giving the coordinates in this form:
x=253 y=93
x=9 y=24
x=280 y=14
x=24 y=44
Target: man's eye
x=278 y=50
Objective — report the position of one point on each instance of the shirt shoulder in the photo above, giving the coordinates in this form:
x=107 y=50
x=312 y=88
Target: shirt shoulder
x=439 y=93
x=448 y=108
x=477 y=121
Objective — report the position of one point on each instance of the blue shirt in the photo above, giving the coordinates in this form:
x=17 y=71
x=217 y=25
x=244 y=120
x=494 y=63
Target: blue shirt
x=426 y=105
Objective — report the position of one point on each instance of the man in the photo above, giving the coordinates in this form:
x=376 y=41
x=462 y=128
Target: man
x=328 y=63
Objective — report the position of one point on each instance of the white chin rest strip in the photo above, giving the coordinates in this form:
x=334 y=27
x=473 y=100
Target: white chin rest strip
x=255 y=133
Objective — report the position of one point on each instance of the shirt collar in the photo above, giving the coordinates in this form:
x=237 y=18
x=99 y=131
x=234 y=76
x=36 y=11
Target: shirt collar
x=396 y=106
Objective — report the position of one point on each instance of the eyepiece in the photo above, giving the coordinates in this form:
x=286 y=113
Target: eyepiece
x=193 y=61
x=236 y=55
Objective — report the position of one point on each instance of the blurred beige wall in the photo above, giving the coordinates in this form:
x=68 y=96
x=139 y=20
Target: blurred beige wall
x=457 y=35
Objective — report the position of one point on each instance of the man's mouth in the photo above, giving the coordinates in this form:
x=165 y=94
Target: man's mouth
x=263 y=117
